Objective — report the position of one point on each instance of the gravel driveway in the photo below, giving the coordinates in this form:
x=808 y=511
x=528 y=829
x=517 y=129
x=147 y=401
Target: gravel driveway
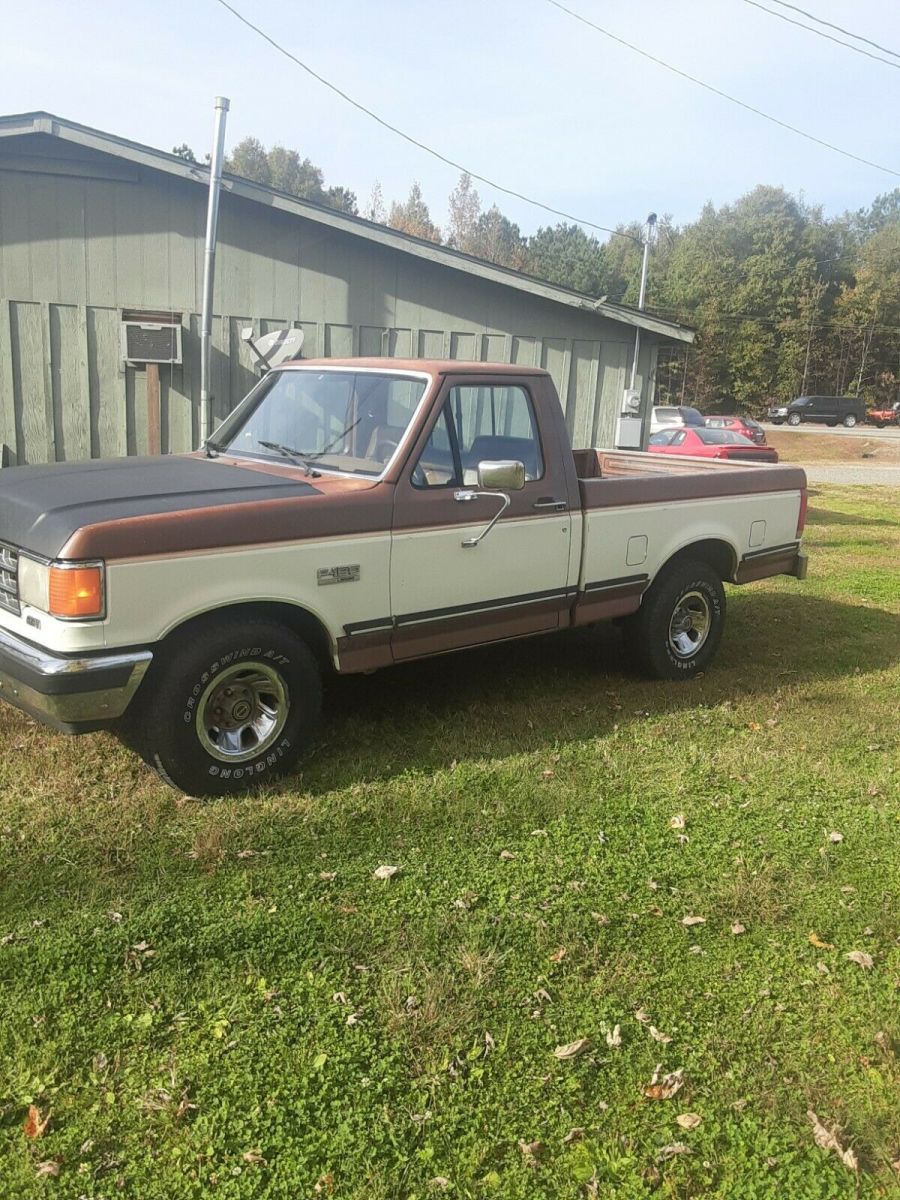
x=851 y=473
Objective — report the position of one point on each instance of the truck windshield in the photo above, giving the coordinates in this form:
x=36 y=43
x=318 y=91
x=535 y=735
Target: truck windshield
x=336 y=420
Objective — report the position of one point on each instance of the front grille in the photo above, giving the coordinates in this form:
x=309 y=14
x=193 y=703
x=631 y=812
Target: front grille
x=9 y=578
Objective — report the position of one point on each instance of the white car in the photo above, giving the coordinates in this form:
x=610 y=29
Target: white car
x=674 y=416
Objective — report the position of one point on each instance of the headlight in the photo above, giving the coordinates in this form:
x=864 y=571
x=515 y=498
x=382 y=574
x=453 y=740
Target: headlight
x=71 y=591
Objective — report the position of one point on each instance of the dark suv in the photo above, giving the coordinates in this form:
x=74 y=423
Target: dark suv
x=822 y=410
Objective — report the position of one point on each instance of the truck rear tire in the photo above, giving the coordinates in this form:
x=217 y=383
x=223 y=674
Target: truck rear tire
x=230 y=707
x=676 y=631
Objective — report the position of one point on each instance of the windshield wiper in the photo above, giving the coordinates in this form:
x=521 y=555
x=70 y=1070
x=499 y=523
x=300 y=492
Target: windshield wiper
x=301 y=456
x=314 y=456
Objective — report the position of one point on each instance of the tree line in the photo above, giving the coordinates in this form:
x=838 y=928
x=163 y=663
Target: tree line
x=785 y=300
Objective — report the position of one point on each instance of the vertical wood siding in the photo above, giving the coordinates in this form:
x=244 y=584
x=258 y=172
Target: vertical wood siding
x=76 y=249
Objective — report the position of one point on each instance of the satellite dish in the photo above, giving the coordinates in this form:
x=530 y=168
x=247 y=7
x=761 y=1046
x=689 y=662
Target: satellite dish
x=274 y=348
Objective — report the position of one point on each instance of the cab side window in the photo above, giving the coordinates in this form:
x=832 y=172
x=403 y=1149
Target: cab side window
x=479 y=424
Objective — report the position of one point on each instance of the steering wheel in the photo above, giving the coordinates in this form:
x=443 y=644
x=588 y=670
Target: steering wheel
x=384 y=448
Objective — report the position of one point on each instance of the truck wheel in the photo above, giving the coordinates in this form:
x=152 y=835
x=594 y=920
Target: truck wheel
x=676 y=631
x=794 y=419
x=850 y=421
x=231 y=707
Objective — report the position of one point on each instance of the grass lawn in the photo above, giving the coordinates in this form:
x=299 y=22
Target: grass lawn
x=876 y=450
x=218 y=999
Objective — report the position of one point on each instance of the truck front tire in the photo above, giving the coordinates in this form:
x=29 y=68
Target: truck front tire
x=676 y=631
x=230 y=707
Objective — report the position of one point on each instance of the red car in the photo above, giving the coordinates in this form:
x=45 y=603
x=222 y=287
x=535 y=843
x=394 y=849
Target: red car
x=710 y=443
x=886 y=415
x=744 y=425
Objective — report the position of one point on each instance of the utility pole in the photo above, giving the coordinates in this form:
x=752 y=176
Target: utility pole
x=642 y=297
x=818 y=292
x=209 y=262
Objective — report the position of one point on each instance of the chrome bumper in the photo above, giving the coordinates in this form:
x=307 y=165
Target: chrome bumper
x=75 y=694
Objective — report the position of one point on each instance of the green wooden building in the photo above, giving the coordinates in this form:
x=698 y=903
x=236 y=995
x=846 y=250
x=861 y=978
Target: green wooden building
x=96 y=231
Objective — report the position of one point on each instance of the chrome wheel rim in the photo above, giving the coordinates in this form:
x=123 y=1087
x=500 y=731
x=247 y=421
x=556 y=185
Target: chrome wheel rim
x=690 y=624
x=242 y=712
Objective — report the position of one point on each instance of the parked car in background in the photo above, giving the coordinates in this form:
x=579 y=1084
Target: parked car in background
x=888 y=414
x=710 y=443
x=745 y=426
x=674 y=417
x=821 y=410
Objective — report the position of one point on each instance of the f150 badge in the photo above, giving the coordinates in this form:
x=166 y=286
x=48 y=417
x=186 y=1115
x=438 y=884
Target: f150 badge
x=346 y=574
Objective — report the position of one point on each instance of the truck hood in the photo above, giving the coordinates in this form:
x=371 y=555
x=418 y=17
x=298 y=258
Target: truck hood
x=42 y=507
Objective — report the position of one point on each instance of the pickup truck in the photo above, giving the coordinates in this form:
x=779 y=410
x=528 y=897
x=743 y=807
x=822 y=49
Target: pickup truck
x=347 y=515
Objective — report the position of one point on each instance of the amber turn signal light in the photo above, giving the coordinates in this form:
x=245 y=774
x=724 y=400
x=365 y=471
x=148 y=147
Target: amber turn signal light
x=76 y=591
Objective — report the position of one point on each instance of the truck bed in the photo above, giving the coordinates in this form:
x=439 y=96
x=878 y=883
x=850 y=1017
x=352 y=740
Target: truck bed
x=612 y=478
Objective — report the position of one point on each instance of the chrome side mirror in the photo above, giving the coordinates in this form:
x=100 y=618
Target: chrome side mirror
x=502 y=475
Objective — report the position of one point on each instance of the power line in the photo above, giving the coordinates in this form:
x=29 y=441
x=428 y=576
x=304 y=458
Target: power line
x=414 y=141
x=717 y=92
x=822 y=34
x=839 y=28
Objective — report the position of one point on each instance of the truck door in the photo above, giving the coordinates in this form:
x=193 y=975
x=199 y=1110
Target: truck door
x=450 y=586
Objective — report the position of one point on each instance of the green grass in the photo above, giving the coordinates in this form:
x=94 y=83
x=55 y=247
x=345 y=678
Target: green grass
x=180 y=975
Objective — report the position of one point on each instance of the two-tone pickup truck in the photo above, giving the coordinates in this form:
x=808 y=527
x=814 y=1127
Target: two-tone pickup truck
x=349 y=515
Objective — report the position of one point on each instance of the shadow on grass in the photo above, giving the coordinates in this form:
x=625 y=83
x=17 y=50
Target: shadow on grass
x=828 y=516
x=538 y=693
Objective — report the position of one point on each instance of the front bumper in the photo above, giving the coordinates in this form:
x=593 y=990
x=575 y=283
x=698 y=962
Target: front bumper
x=73 y=694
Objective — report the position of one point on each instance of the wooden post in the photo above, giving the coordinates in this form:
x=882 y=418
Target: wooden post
x=153 y=438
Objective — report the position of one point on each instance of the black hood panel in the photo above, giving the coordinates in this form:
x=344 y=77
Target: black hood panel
x=41 y=507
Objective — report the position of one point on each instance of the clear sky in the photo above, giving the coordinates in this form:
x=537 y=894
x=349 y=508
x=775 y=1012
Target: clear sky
x=513 y=88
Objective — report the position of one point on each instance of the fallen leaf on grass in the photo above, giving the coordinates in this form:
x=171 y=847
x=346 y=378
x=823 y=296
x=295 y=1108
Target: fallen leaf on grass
x=558 y=955
x=642 y=1016
x=507 y=855
x=835 y=836
x=688 y=1120
x=827 y=1139
x=677 y=822
x=571 y=1049
x=614 y=1037
x=815 y=940
x=658 y=1036
x=574 y=1135
x=439 y=1181
x=737 y=928
x=531 y=1151
x=385 y=872
x=48 y=1167
x=883 y=1042
x=665 y=1088
x=673 y=1149
x=35 y=1124
x=253 y=1156
x=246 y=854
x=690 y=920
x=862 y=959
x=328 y=876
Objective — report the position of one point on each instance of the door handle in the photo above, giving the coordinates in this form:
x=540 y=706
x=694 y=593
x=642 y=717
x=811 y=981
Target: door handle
x=549 y=502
